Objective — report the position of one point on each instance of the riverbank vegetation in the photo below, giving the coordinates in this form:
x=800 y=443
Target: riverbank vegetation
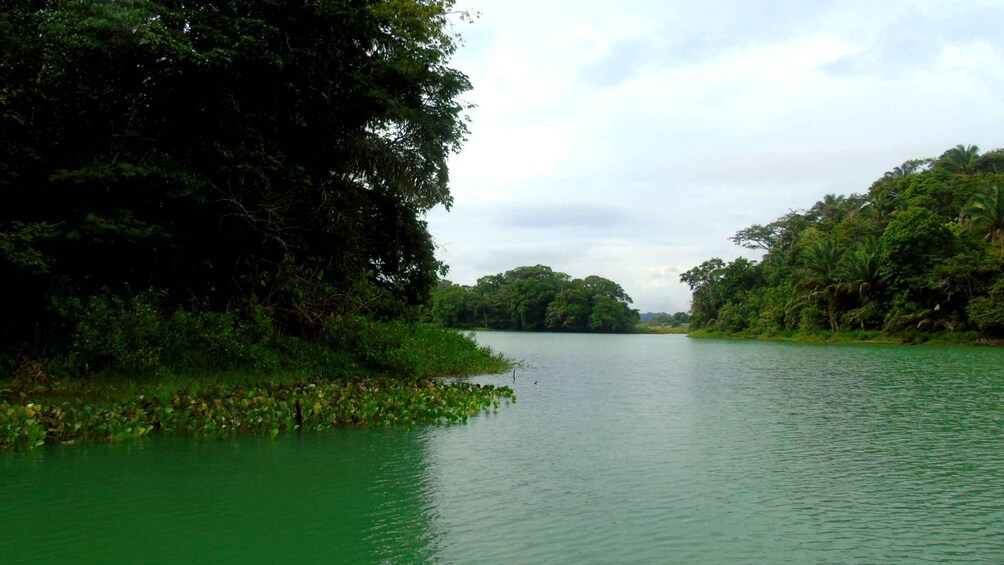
x=132 y=367
x=663 y=323
x=919 y=257
x=655 y=329
x=206 y=192
x=867 y=336
x=534 y=298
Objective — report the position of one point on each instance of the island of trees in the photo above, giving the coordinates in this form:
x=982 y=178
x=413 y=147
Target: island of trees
x=535 y=298
x=194 y=189
x=922 y=251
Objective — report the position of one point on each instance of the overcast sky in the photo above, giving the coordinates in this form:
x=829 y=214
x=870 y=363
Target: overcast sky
x=631 y=139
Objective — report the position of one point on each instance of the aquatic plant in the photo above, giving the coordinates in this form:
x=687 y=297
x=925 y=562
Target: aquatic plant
x=264 y=409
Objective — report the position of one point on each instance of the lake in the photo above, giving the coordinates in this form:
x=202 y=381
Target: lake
x=638 y=448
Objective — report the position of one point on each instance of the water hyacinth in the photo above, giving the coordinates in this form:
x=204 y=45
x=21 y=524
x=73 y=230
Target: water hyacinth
x=222 y=411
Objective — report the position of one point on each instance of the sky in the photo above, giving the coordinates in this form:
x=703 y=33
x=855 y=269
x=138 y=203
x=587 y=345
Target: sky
x=631 y=139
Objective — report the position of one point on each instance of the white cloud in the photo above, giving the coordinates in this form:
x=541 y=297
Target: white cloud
x=631 y=139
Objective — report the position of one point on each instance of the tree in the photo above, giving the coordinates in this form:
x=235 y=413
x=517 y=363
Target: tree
x=451 y=306
x=862 y=269
x=959 y=159
x=715 y=284
x=990 y=162
x=229 y=152
x=702 y=282
x=592 y=304
x=681 y=318
x=862 y=277
x=831 y=209
x=908 y=168
x=530 y=291
x=986 y=213
x=988 y=311
x=571 y=308
x=757 y=237
x=536 y=298
x=922 y=251
x=822 y=276
x=913 y=242
x=882 y=205
x=610 y=315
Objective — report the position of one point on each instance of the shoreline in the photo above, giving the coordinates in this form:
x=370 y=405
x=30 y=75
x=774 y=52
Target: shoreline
x=939 y=339
x=366 y=373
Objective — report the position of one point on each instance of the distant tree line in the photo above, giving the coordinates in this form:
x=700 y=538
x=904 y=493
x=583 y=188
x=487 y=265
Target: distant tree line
x=534 y=299
x=664 y=319
x=923 y=250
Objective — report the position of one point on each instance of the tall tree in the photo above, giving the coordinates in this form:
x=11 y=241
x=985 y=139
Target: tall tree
x=823 y=277
x=986 y=213
x=862 y=269
x=959 y=159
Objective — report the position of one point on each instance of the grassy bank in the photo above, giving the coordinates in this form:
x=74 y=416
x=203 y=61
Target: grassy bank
x=912 y=338
x=647 y=329
x=211 y=375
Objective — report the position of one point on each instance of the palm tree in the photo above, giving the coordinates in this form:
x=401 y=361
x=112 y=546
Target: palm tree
x=960 y=159
x=832 y=208
x=862 y=269
x=882 y=205
x=986 y=213
x=862 y=274
x=822 y=276
x=907 y=168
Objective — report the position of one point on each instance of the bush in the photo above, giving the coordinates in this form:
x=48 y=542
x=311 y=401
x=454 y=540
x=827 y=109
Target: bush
x=137 y=338
x=811 y=319
x=408 y=349
x=987 y=312
x=111 y=333
x=731 y=319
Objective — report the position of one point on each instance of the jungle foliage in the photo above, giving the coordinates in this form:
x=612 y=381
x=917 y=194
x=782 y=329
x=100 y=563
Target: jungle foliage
x=237 y=157
x=534 y=298
x=922 y=250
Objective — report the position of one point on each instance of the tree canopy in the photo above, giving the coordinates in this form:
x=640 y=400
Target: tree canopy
x=229 y=153
x=921 y=250
x=535 y=298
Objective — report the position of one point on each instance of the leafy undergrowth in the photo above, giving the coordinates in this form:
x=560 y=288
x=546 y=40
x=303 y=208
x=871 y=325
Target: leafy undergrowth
x=33 y=419
x=132 y=367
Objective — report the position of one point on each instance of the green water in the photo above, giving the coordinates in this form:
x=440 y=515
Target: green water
x=634 y=449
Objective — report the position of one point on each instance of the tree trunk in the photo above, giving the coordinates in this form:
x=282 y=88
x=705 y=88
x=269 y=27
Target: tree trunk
x=831 y=307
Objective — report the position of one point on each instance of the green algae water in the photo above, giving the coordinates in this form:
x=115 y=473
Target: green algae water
x=641 y=448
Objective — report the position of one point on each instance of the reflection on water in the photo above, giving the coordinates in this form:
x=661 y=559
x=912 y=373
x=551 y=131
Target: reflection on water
x=620 y=449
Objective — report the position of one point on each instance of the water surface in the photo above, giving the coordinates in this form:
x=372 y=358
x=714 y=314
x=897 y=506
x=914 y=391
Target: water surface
x=620 y=449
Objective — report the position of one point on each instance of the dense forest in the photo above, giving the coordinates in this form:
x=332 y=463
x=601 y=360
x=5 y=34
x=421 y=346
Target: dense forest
x=535 y=298
x=922 y=250
x=260 y=159
x=212 y=218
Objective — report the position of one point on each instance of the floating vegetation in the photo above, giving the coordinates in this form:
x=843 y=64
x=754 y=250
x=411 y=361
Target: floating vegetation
x=222 y=411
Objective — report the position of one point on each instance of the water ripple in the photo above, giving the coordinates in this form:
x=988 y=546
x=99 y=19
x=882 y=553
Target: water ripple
x=627 y=449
